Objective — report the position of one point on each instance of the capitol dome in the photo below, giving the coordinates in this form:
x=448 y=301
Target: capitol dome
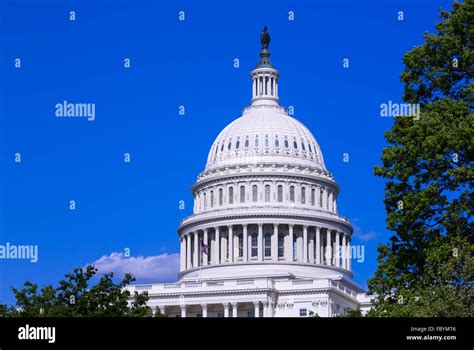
x=265 y=200
x=265 y=134
x=265 y=237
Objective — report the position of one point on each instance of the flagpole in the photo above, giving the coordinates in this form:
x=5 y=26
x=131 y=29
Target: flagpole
x=202 y=251
x=200 y=262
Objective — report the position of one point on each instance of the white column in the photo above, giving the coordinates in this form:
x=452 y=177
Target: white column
x=234 y=309
x=188 y=250
x=204 y=310
x=260 y=242
x=223 y=249
x=182 y=255
x=196 y=250
x=265 y=309
x=325 y=198
x=311 y=249
x=328 y=253
x=183 y=310
x=245 y=243
x=290 y=256
x=344 y=251
x=274 y=242
x=231 y=243
x=337 y=253
x=349 y=254
x=318 y=246
x=217 y=246
x=205 y=257
x=257 y=309
x=249 y=247
x=299 y=248
x=226 y=309
x=305 y=243
x=271 y=310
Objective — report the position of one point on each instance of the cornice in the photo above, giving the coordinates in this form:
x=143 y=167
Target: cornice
x=228 y=217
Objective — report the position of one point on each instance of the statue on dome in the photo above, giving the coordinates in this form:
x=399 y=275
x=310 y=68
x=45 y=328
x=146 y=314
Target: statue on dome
x=265 y=38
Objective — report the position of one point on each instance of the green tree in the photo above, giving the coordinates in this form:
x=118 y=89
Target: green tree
x=426 y=267
x=74 y=297
x=350 y=313
x=159 y=314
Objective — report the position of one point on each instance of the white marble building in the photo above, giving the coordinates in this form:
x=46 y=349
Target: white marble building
x=265 y=207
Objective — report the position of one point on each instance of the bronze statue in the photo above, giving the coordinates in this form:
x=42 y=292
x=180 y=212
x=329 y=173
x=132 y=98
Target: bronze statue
x=265 y=38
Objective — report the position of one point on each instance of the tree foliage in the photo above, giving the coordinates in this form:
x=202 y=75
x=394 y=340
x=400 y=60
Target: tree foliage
x=426 y=267
x=75 y=297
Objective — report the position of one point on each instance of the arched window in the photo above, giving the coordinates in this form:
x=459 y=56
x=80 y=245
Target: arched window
x=205 y=200
x=237 y=144
x=222 y=147
x=281 y=245
x=303 y=195
x=256 y=141
x=212 y=198
x=267 y=193
x=310 y=149
x=247 y=142
x=277 y=143
x=286 y=143
x=268 y=244
x=267 y=143
x=321 y=198
x=295 y=144
x=292 y=194
x=302 y=146
x=254 y=193
x=229 y=145
x=231 y=195
x=280 y=193
x=221 y=196
x=254 y=245
x=242 y=194
x=313 y=195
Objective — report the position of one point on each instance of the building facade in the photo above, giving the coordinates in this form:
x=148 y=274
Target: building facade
x=265 y=238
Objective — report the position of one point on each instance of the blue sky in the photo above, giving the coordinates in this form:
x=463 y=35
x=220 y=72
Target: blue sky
x=173 y=63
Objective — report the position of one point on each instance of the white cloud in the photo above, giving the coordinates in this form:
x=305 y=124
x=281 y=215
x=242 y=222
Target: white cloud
x=367 y=236
x=363 y=236
x=158 y=268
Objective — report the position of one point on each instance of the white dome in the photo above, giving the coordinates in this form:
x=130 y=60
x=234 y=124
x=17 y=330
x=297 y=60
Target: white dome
x=265 y=134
